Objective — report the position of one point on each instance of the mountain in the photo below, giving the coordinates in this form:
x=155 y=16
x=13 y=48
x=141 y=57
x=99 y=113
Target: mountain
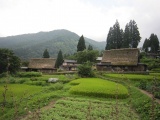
x=33 y=45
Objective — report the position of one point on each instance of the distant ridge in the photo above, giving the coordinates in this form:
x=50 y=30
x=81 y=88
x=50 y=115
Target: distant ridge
x=32 y=45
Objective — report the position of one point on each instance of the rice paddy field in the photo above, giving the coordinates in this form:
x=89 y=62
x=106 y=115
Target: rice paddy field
x=73 y=98
x=98 y=88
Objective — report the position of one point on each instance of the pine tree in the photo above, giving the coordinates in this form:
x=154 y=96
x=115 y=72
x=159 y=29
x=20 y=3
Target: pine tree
x=46 y=54
x=81 y=44
x=134 y=35
x=90 y=47
x=59 y=60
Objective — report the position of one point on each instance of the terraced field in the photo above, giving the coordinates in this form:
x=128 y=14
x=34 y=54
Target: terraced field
x=98 y=88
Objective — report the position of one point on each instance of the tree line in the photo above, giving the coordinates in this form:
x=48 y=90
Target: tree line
x=117 y=38
x=82 y=55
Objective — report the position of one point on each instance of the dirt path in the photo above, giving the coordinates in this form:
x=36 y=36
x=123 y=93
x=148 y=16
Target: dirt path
x=149 y=95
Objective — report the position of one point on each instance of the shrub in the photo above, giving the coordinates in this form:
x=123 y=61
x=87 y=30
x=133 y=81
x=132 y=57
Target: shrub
x=143 y=84
x=85 y=70
x=56 y=86
x=29 y=74
x=3 y=75
x=38 y=83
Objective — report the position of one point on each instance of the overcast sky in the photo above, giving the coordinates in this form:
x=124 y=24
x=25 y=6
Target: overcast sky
x=92 y=18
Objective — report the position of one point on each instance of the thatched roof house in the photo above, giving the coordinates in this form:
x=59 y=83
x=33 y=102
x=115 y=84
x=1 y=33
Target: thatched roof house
x=42 y=64
x=121 y=56
x=126 y=59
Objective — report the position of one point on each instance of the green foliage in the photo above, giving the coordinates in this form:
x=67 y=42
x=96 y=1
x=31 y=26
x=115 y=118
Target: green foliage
x=81 y=44
x=98 y=88
x=151 y=63
x=134 y=77
x=134 y=35
x=87 y=109
x=146 y=44
x=24 y=98
x=29 y=74
x=156 y=69
x=46 y=54
x=152 y=42
x=116 y=38
x=59 y=60
x=84 y=56
x=25 y=63
x=143 y=105
x=8 y=61
x=56 y=86
x=90 y=47
x=143 y=84
x=85 y=70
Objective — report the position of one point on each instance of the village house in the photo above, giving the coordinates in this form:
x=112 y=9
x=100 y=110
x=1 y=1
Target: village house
x=69 y=65
x=45 y=65
x=126 y=59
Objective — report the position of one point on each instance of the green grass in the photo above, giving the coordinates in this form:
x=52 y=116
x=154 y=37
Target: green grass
x=27 y=96
x=18 y=90
x=98 y=88
x=134 y=77
x=87 y=109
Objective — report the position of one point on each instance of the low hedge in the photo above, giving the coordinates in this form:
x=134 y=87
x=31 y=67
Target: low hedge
x=29 y=74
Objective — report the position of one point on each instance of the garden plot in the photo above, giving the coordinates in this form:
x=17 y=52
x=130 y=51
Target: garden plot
x=87 y=109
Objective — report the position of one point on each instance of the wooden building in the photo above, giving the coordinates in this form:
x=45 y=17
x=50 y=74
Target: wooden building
x=45 y=65
x=69 y=65
x=121 y=60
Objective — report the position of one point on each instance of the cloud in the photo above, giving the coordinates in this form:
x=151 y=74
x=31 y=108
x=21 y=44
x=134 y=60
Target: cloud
x=92 y=18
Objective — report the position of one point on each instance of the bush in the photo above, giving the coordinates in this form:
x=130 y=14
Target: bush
x=56 y=86
x=3 y=75
x=143 y=84
x=85 y=70
x=29 y=74
x=37 y=83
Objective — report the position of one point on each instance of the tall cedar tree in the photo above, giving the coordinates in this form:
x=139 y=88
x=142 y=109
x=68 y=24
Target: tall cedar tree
x=90 y=47
x=134 y=35
x=146 y=44
x=8 y=61
x=126 y=37
x=46 y=54
x=115 y=37
x=81 y=44
x=152 y=42
x=59 y=60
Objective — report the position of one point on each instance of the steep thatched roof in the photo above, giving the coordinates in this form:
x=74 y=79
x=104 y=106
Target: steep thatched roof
x=127 y=56
x=42 y=63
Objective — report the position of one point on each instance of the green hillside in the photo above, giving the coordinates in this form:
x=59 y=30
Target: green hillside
x=32 y=45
